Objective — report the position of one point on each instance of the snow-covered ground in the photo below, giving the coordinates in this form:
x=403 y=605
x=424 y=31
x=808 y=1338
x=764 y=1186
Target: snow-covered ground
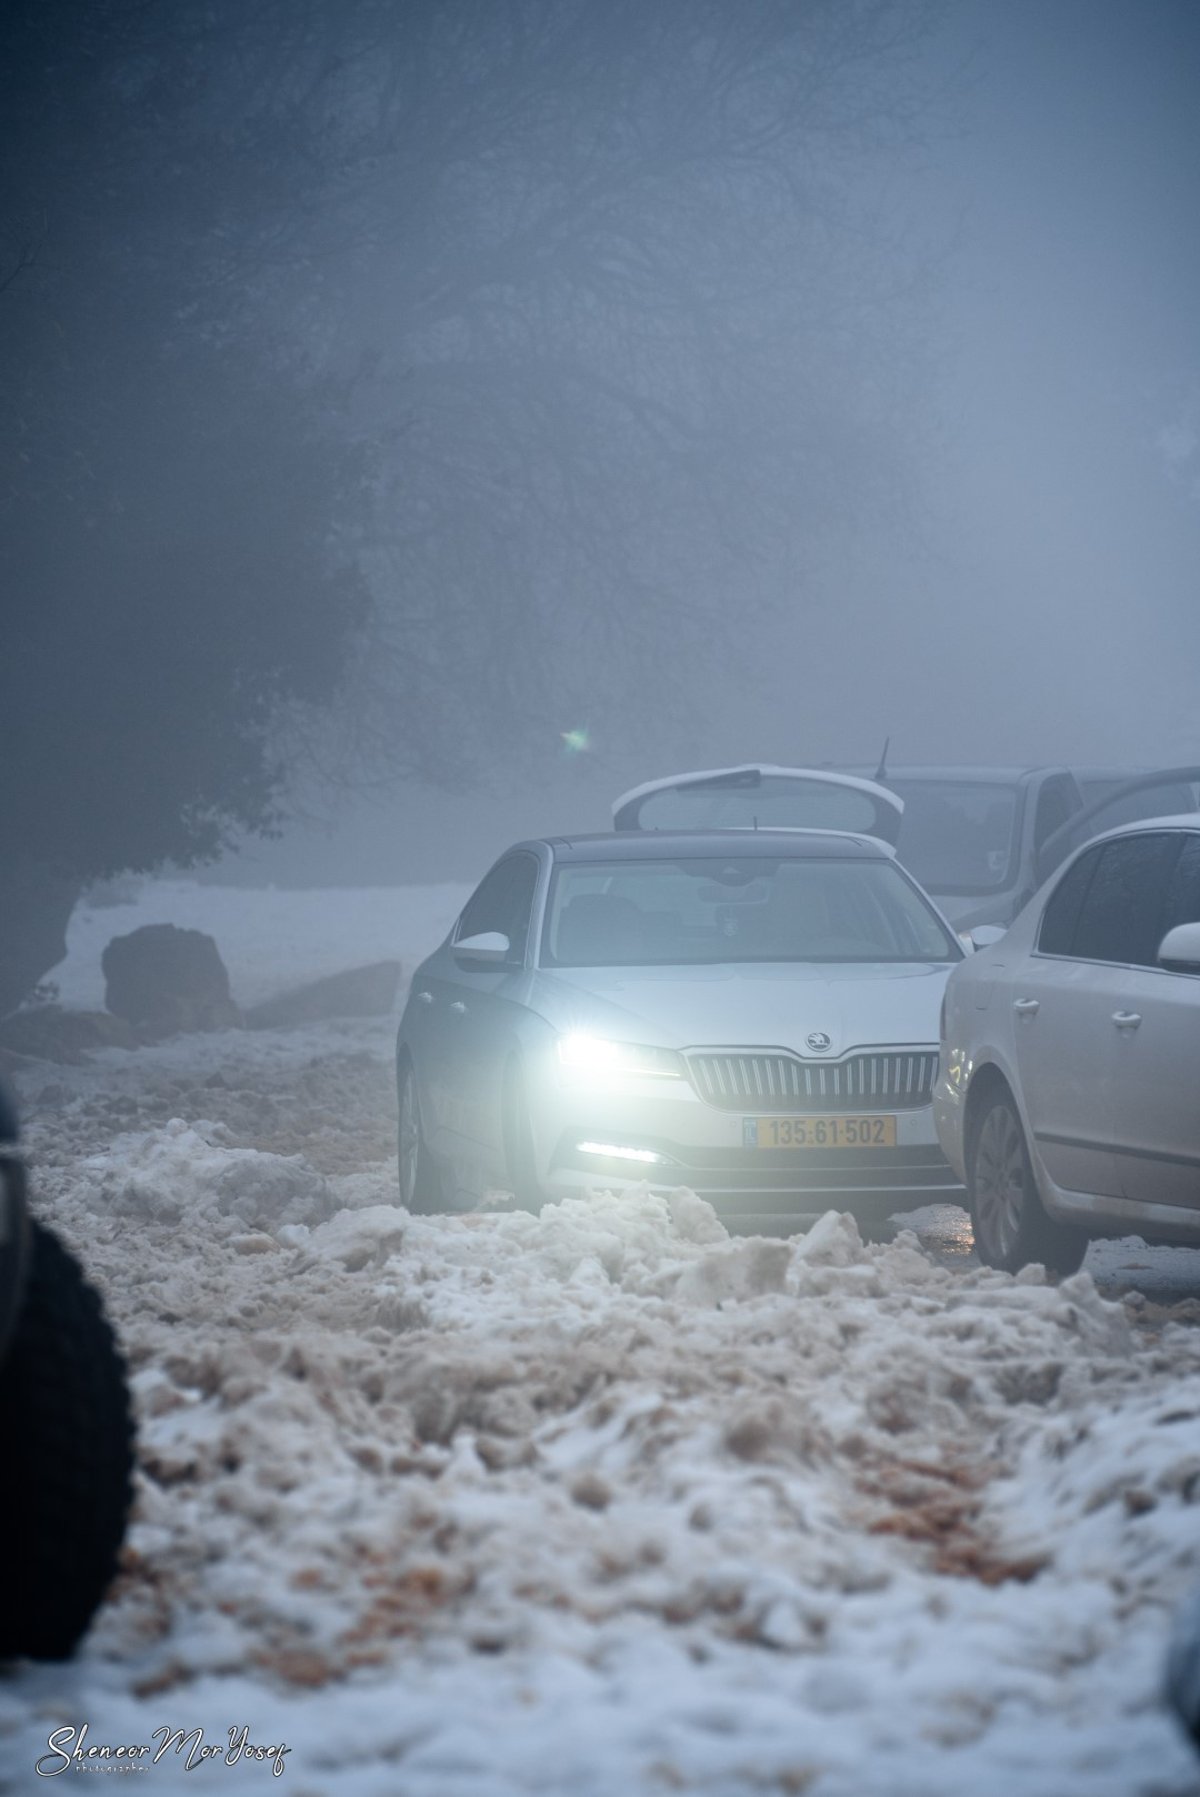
x=602 y=1502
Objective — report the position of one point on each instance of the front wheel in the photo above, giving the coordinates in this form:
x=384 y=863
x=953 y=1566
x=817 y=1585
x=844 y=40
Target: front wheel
x=65 y=1490
x=519 y=1153
x=421 y=1188
x=1011 y=1225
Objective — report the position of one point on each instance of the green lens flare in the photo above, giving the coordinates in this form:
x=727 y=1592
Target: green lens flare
x=576 y=740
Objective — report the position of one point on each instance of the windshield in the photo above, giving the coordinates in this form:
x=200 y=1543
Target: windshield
x=957 y=835
x=698 y=912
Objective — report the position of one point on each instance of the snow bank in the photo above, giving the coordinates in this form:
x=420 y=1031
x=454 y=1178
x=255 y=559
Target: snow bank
x=190 y=1175
x=600 y=1501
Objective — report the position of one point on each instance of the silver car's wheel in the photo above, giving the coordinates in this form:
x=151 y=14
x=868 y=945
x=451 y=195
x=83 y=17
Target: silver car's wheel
x=1000 y=1185
x=519 y=1151
x=420 y=1179
x=1011 y=1224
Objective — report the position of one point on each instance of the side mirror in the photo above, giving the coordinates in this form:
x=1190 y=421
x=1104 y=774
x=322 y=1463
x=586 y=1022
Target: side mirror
x=491 y=949
x=1180 y=948
x=985 y=934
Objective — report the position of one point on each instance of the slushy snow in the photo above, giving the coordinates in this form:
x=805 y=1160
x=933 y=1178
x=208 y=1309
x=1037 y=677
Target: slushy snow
x=601 y=1502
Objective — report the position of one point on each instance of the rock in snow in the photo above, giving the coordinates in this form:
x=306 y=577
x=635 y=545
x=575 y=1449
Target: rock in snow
x=163 y=979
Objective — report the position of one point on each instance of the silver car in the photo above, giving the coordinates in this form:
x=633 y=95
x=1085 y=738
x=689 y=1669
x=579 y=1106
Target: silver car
x=749 y=1013
x=1067 y=1095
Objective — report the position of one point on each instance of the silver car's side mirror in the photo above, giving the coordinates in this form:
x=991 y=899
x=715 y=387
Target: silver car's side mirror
x=985 y=934
x=489 y=949
x=1180 y=948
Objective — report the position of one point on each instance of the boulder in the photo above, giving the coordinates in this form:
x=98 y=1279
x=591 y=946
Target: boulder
x=368 y=991
x=163 y=980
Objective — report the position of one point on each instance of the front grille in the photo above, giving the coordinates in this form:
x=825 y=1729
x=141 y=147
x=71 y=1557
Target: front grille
x=779 y=1082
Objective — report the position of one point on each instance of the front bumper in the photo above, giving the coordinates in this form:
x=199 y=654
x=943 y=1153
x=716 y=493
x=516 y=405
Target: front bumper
x=702 y=1147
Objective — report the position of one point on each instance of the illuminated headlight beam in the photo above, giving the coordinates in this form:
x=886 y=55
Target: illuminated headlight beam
x=594 y=1056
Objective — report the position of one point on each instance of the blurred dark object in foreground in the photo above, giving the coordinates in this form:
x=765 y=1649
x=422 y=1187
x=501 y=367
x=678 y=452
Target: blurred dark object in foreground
x=1183 y=1667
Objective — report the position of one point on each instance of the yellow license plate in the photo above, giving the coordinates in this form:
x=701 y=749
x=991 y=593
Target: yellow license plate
x=819 y=1132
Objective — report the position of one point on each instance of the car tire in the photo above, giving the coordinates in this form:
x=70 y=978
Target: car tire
x=422 y=1189
x=520 y=1158
x=67 y=1429
x=1011 y=1226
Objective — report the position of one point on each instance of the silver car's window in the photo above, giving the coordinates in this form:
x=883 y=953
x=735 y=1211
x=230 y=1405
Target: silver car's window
x=957 y=835
x=1182 y=903
x=503 y=901
x=1120 y=916
x=700 y=911
x=1057 y=935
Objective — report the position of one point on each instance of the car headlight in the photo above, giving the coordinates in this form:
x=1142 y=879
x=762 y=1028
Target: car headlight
x=598 y=1057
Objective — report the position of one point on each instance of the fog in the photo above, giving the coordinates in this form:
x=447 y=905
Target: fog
x=1036 y=601
x=955 y=502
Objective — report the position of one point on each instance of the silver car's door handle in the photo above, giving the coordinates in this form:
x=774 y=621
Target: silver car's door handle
x=1025 y=1007
x=1126 y=1020
x=459 y=1007
x=424 y=998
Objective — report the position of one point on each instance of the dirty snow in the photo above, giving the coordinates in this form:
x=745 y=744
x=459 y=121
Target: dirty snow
x=599 y=1502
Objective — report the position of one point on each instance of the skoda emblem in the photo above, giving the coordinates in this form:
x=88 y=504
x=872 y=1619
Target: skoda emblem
x=819 y=1042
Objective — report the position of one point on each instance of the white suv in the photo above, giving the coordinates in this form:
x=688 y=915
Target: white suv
x=1066 y=1095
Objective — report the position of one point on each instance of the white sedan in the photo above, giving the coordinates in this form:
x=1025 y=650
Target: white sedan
x=749 y=1013
x=1070 y=1050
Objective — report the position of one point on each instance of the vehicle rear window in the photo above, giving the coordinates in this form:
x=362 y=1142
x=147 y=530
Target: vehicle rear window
x=706 y=910
x=957 y=836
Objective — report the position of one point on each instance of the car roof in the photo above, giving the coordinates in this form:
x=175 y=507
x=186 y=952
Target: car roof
x=982 y=775
x=682 y=845
x=1113 y=771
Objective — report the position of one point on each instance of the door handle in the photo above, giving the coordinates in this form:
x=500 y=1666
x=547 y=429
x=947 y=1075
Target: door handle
x=1026 y=1007
x=1126 y=1020
x=459 y=1007
x=424 y=998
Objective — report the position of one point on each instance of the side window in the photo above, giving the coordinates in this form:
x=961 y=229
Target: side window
x=1057 y=934
x=1121 y=915
x=503 y=902
x=1057 y=803
x=1182 y=903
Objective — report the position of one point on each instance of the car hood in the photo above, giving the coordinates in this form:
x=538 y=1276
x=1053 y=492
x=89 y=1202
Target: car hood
x=761 y=1005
